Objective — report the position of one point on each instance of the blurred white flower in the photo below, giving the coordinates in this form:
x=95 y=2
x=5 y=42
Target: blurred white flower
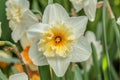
x=89 y=7
x=0 y=30
x=92 y=39
x=118 y=21
x=4 y=54
x=18 y=76
x=20 y=17
x=59 y=39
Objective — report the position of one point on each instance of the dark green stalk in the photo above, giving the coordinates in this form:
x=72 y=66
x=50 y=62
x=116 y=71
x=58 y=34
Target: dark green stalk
x=104 y=35
x=2 y=76
x=85 y=75
x=117 y=32
x=44 y=72
x=96 y=64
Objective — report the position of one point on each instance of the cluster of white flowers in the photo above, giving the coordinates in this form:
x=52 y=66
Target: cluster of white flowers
x=20 y=17
x=58 y=39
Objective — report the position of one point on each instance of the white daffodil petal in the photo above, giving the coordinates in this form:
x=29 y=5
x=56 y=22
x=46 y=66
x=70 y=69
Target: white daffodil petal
x=19 y=76
x=90 y=10
x=81 y=51
x=98 y=48
x=118 y=21
x=37 y=57
x=90 y=36
x=35 y=30
x=59 y=65
x=77 y=24
x=77 y=7
x=24 y=4
x=0 y=30
x=54 y=13
x=28 y=19
x=92 y=39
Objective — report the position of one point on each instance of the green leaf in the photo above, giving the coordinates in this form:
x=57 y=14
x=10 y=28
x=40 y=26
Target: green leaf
x=6 y=31
x=14 y=70
x=2 y=76
x=104 y=63
x=77 y=73
x=44 y=72
x=96 y=64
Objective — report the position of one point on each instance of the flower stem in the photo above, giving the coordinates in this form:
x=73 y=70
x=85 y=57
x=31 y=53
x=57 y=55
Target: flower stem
x=2 y=76
x=96 y=64
x=114 y=73
x=85 y=71
x=104 y=36
x=44 y=72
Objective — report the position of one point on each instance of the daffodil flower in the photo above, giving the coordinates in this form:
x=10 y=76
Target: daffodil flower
x=19 y=76
x=92 y=39
x=89 y=7
x=118 y=21
x=59 y=39
x=20 y=17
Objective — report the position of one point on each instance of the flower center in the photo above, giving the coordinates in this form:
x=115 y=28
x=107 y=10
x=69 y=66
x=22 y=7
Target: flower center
x=56 y=41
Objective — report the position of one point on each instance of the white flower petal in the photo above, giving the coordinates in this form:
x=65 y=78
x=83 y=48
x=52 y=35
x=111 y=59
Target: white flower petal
x=59 y=65
x=118 y=21
x=25 y=41
x=24 y=4
x=90 y=36
x=77 y=7
x=19 y=76
x=35 y=30
x=92 y=39
x=28 y=20
x=37 y=57
x=81 y=51
x=54 y=12
x=77 y=24
x=90 y=10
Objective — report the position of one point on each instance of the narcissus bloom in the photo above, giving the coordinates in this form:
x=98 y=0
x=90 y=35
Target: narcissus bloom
x=18 y=76
x=59 y=39
x=92 y=39
x=89 y=7
x=20 y=17
x=118 y=21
